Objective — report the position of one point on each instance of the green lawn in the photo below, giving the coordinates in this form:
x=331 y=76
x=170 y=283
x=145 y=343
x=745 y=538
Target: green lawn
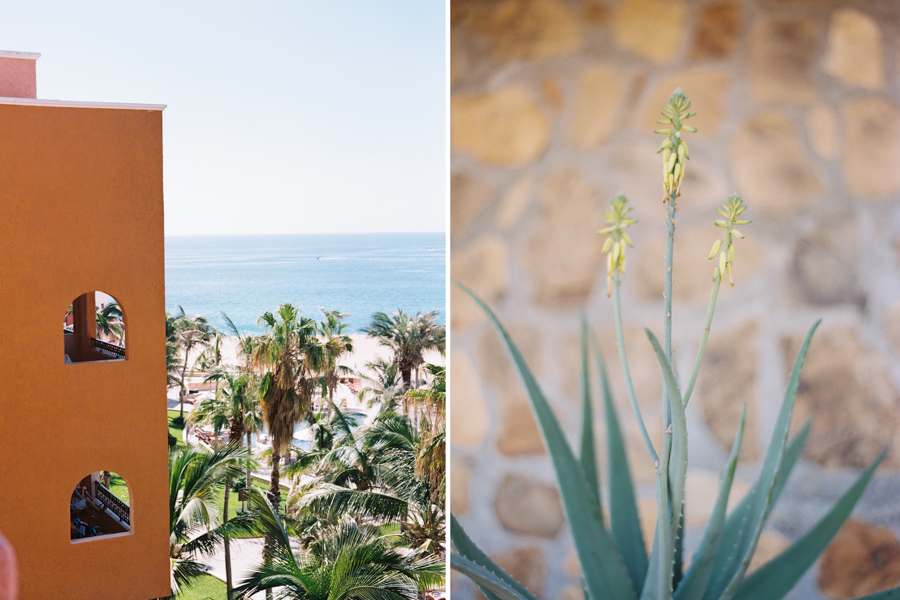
x=202 y=588
x=175 y=429
x=118 y=487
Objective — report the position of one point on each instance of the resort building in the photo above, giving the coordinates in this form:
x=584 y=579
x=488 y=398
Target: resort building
x=81 y=186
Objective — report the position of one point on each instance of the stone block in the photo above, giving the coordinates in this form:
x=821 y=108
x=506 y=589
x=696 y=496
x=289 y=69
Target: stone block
x=532 y=29
x=847 y=390
x=526 y=565
x=782 y=53
x=862 y=559
x=469 y=419
x=519 y=433
x=459 y=484
x=717 y=31
x=505 y=128
x=483 y=266
x=771 y=168
x=597 y=107
x=728 y=378
x=529 y=507
x=471 y=198
x=652 y=29
x=869 y=161
x=854 y=53
x=515 y=201
x=562 y=253
x=824 y=265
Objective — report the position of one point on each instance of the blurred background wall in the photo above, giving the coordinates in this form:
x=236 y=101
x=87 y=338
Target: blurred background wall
x=798 y=102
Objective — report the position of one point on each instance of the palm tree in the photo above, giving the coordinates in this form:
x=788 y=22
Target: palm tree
x=350 y=562
x=334 y=345
x=284 y=356
x=432 y=453
x=190 y=332
x=253 y=422
x=172 y=363
x=228 y=410
x=409 y=338
x=194 y=476
x=110 y=322
x=386 y=386
x=211 y=357
x=373 y=475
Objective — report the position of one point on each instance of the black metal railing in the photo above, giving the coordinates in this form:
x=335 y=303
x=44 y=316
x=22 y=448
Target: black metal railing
x=107 y=348
x=113 y=503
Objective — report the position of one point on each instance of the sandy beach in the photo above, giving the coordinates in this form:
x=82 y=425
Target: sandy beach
x=365 y=350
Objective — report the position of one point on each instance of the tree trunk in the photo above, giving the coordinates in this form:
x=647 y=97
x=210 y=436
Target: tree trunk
x=274 y=487
x=106 y=479
x=406 y=374
x=183 y=372
x=229 y=585
x=275 y=499
x=250 y=448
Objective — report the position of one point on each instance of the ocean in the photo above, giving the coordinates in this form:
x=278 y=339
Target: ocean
x=359 y=274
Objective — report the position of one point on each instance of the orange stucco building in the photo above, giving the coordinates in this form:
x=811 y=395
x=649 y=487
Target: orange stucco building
x=81 y=186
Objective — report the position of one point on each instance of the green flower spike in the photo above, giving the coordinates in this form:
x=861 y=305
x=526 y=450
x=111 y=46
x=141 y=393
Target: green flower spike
x=674 y=149
x=731 y=210
x=614 y=246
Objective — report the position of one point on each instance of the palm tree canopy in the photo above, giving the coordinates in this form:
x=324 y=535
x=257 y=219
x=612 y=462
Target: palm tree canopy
x=287 y=356
x=350 y=562
x=194 y=475
x=409 y=337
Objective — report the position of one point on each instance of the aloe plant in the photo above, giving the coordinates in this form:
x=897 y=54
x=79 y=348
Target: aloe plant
x=615 y=565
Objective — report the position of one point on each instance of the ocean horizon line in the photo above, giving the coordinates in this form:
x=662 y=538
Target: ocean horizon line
x=216 y=234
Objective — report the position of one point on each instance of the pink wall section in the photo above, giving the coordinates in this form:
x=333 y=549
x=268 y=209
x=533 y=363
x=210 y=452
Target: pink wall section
x=17 y=77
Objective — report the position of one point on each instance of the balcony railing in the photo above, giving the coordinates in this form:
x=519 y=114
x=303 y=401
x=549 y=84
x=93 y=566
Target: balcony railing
x=108 y=349
x=112 y=502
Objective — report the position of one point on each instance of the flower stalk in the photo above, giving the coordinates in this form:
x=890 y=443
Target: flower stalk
x=675 y=156
x=614 y=248
x=731 y=209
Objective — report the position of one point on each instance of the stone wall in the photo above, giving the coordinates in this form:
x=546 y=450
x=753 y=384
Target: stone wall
x=798 y=102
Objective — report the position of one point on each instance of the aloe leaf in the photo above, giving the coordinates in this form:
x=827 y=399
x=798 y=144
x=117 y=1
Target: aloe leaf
x=588 y=449
x=466 y=548
x=702 y=564
x=651 y=589
x=776 y=578
x=666 y=558
x=728 y=576
x=678 y=567
x=484 y=578
x=675 y=461
x=625 y=523
x=792 y=453
x=604 y=573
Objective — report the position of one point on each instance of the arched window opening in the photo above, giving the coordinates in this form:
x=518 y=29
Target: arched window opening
x=100 y=506
x=94 y=329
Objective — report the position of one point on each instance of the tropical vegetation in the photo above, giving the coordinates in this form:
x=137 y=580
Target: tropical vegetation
x=408 y=337
x=349 y=487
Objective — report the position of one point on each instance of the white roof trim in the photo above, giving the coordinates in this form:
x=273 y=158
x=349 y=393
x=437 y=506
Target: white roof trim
x=14 y=54
x=77 y=104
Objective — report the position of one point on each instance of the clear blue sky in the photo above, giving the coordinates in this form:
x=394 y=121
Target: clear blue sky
x=283 y=117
